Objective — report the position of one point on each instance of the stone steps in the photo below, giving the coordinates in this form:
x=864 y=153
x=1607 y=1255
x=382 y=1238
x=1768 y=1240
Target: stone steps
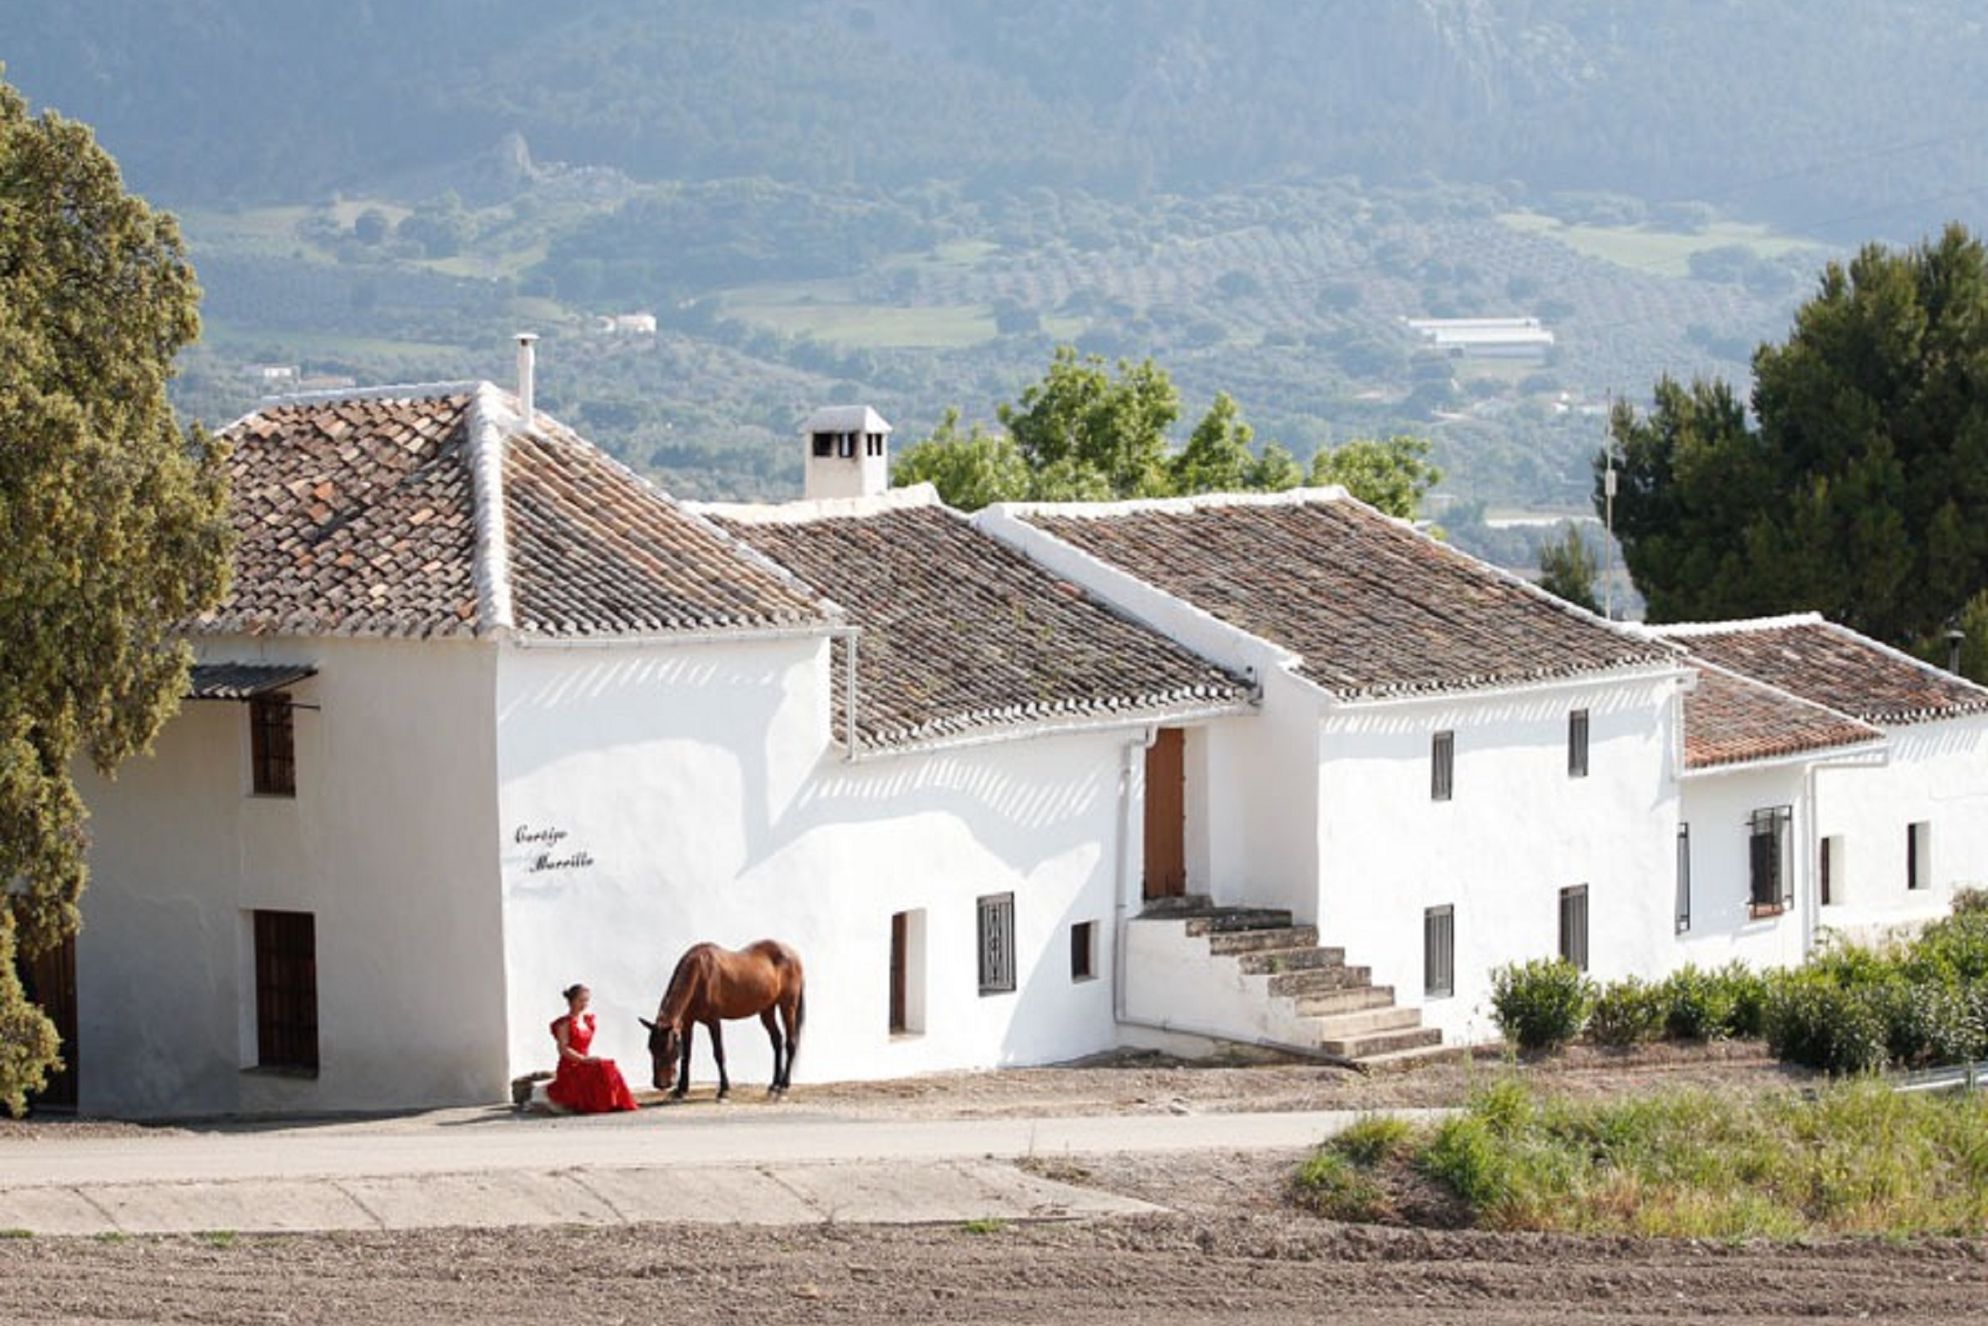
x=1337 y=1004
x=1402 y=1061
x=1291 y=984
x=1352 y=999
x=1269 y=962
x=1383 y=1042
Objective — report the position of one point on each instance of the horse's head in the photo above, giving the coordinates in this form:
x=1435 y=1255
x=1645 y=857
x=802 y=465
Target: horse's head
x=663 y=1046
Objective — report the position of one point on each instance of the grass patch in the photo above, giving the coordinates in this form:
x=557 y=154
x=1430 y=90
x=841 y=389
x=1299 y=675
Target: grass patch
x=1666 y=252
x=873 y=326
x=983 y=1225
x=218 y=1238
x=16 y=1233
x=113 y=1236
x=1853 y=1159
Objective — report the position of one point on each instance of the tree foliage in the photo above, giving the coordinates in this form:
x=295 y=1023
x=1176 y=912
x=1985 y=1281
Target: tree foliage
x=1115 y=425
x=1567 y=569
x=1391 y=473
x=1862 y=489
x=113 y=521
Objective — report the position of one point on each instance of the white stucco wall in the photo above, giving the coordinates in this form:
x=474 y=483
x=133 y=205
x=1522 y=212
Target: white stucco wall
x=1937 y=772
x=700 y=782
x=389 y=842
x=1517 y=830
x=1718 y=806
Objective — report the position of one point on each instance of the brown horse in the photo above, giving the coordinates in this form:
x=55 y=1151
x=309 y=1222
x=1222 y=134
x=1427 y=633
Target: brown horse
x=712 y=984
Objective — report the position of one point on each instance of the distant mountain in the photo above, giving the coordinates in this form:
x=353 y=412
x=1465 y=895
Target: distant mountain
x=1838 y=117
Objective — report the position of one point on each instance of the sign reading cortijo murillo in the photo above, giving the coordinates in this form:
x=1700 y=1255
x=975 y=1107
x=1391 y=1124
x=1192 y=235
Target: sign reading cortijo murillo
x=547 y=855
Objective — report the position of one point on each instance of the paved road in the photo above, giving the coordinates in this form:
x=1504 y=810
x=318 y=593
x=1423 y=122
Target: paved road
x=763 y=1166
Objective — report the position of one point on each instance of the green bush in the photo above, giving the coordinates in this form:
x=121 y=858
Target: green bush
x=1954 y=949
x=1372 y=1138
x=1466 y=1155
x=1699 y=1005
x=1970 y=901
x=1814 y=1021
x=1929 y=1024
x=1542 y=1004
x=1746 y=990
x=1626 y=1012
x=1337 y=1188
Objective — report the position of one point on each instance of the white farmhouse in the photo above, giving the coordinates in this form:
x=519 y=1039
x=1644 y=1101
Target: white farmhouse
x=485 y=714
x=1451 y=769
x=1888 y=845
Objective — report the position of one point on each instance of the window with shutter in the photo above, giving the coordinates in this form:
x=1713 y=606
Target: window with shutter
x=1442 y=766
x=1439 y=952
x=1683 y=878
x=1577 y=744
x=1770 y=861
x=1574 y=925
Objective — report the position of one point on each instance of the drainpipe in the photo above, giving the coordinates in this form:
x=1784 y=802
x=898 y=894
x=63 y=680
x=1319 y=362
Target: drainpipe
x=1121 y=925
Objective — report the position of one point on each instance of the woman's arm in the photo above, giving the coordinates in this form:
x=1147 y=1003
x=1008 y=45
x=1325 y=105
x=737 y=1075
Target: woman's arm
x=562 y=1032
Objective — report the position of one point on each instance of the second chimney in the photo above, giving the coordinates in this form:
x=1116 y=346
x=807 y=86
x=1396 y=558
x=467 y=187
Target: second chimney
x=527 y=364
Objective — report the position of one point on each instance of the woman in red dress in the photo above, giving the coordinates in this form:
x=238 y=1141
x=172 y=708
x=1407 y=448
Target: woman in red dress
x=584 y=1084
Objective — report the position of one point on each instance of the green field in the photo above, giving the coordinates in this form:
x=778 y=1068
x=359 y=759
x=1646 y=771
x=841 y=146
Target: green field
x=1666 y=252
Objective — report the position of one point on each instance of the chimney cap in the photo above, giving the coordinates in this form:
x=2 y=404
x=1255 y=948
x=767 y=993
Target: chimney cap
x=845 y=419
x=525 y=338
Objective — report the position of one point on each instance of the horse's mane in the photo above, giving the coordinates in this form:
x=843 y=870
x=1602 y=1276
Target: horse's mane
x=679 y=985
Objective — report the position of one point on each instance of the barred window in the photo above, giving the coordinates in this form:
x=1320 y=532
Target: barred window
x=286 y=991
x=1770 y=861
x=997 y=944
x=1439 y=952
x=1577 y=744
x=1442 y=766
x=1919 y=855
x=1683 y=878
x=1574 y=925
x=273 y=745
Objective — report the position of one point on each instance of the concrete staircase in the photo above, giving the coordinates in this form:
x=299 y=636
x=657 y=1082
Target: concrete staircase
x=1252 y=969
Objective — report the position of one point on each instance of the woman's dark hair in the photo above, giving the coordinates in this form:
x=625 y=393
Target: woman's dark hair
x=571 y=990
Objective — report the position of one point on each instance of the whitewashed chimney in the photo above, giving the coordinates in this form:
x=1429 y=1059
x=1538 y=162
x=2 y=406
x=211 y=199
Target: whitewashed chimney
x=847 y=452
x=527 y=366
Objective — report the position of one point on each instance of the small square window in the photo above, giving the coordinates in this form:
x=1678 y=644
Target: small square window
x=272 y=745
x=824 y=444
x=1083 y=951
x=1577 y=744
x=1442 y=766
x=997 y=944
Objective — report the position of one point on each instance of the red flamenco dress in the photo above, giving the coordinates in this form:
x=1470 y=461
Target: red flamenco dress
x=586 y=1088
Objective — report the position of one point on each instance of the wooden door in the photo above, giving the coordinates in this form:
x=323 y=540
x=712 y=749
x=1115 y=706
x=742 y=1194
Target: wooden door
x=1166 y=815
x=899 y=926
x=50 y=981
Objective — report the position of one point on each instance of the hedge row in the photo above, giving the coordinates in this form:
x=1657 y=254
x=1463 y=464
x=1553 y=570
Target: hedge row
x=1847 y=1010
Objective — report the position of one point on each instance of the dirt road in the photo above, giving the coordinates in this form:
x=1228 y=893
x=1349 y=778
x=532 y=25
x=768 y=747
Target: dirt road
x=1229 y=1252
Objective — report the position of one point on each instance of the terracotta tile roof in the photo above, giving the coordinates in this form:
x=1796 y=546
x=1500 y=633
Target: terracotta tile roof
x=378 y=514
x=1730 y=720
x=596 y=550
x=1372 y=607
x=961 y=634
x=1832 y=665
x=353 y=517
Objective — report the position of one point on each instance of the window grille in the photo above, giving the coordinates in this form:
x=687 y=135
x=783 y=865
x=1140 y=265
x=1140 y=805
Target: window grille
x=1771 y=866
x=997 y=944
x=1574 y=925
x=1683 y=878
x=1577 y=744
x=273 y=745
x=1442 y=766
x=286 y=991
x=1439 y=952
x=1826 y=866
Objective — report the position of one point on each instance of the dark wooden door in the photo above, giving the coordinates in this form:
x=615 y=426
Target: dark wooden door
x=1166 y=815
x=50 y=981
x=898 y=927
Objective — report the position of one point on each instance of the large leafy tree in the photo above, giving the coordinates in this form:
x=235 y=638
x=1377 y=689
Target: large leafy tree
x=1860 y=486
x=112 y=521
x=1391 y=473
x=1114 y=424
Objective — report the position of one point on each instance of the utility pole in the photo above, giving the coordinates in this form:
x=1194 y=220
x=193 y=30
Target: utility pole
x=1608 y=511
